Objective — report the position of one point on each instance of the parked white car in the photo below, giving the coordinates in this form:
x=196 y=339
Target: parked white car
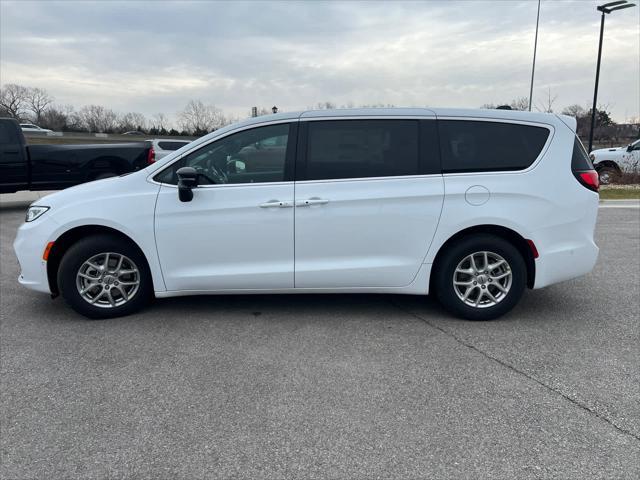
x=612 y=161
x=473 y=205
x=163 y=147
x=32 y=128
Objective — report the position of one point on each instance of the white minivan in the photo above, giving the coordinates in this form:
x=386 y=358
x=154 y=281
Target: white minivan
x=471 y=205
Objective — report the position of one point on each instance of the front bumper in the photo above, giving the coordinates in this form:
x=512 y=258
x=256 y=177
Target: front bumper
x=29 y=246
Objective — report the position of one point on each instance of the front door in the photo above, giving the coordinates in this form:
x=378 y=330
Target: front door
x=367 y=203
x=237 y=231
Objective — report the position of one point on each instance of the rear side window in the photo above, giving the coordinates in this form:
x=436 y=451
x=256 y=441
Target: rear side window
x=171 y=145
x=476 y=146
x=8 y=134
x=580 y=159
x=361 y=148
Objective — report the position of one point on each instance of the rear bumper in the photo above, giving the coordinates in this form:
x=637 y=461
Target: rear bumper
x=567 y=250
x=565 y=263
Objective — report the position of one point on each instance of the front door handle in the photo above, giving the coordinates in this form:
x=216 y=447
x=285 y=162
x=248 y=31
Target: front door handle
x=312 y=201
x=276 y=204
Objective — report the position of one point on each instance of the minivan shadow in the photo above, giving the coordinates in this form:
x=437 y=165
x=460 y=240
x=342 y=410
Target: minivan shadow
x=301 y=305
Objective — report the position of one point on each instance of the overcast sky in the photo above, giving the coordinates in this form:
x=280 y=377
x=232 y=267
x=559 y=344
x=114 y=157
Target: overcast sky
x=153 y=56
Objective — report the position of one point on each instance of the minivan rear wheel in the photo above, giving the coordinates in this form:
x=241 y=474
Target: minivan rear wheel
x=480 y=277
x=104 y=276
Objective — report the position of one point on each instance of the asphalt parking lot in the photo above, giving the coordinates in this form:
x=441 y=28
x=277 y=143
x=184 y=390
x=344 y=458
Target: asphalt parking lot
x=351 y=386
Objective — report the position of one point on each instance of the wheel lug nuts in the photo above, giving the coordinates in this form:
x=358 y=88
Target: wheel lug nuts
x=108 y=287
x=475 y=283
x=116 y=283
x=483 y=286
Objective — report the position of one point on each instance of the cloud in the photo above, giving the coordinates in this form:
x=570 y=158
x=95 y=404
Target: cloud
x=153 y=57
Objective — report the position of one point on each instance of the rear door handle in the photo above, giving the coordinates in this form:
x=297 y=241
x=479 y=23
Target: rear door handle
x=276 y=204
x=312 y=201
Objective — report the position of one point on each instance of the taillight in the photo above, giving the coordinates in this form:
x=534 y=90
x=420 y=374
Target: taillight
x=151 y=156
x=589 y=179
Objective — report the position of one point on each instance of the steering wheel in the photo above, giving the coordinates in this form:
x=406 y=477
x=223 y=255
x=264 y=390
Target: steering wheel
x=222 y=176
x=210 y=170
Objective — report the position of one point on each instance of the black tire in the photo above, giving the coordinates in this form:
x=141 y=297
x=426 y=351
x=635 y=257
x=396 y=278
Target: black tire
x=455 y=253
x=84 y=250
x=607 y=175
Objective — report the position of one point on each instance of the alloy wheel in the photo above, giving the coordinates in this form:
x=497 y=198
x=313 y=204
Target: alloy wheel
x=482 y=279
x=108 y=280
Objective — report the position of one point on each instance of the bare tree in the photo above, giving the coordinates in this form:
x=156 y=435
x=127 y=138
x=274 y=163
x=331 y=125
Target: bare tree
x=378 y=105
x=325 y=106
x=37 y=102
x=13 y=100
x=160 y=121
x=576 y=111
x=200 y=118
x=54 y=117
x=520 y=103
x=547 y=105
x=97 y=118
x=132 y=121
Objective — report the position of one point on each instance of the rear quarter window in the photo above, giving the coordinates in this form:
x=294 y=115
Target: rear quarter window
x=580 y=159
x=477 y=146
x=8 y=134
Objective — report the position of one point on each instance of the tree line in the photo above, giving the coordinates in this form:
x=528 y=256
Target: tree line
x=606 y=129
x=197 y=118
x=36 y=105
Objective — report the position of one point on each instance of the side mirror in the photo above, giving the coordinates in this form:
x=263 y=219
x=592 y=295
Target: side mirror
x=187 y=179
x=630 y=147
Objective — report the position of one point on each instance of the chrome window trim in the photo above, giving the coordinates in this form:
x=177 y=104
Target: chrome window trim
x=434 y=117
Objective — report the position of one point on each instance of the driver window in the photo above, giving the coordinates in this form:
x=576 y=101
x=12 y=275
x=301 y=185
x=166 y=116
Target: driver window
x=251 y=156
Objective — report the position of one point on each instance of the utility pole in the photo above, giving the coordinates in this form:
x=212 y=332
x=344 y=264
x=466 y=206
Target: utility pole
x=535 y=48
x=605 y=9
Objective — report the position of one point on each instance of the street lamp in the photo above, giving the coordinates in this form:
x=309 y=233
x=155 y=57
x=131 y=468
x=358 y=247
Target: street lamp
x=605 y=9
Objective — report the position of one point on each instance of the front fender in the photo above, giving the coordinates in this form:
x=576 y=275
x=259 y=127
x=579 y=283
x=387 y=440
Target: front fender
x=125 y=204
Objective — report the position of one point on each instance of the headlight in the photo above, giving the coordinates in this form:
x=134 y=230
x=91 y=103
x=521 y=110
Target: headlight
x=35 y=212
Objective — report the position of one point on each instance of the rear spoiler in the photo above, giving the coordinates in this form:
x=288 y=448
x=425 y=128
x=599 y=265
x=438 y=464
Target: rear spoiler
x=569 y=121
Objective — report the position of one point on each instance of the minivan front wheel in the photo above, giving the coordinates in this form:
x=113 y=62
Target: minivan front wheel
x=104 y=277
x=480 y=277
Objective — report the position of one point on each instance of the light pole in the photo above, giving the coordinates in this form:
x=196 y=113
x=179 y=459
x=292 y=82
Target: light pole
x=605 y=9
x=535 y=47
